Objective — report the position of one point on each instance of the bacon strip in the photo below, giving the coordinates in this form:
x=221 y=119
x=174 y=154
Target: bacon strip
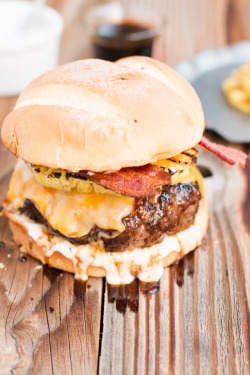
x=133 y=181
x=141 y=181
x=228 y=154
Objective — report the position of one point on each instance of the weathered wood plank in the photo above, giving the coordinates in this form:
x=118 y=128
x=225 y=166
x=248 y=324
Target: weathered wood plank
x=45 y=328
x=200 y=327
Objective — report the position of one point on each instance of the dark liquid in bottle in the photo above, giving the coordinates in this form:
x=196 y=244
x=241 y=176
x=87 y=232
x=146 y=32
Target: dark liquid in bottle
x=114 y=41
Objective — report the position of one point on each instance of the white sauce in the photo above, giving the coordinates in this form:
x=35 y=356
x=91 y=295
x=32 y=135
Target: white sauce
x=74 y=215
x=34 y=231
x=117 y=265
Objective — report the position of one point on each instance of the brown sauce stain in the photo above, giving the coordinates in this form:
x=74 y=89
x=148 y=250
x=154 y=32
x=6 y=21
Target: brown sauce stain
x=178 y=272
x=121 y=298
x=246 y=202
x=157 y=333
x=189 y=260
x=124 y=346
x=171 y=348
x=118 y=294
x=79 y=289
x=51 y=273
x=127 y=295
x=136 y=344
x=133 y=295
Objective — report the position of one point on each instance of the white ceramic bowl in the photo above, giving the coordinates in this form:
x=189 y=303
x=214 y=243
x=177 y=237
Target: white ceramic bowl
x=29 y=43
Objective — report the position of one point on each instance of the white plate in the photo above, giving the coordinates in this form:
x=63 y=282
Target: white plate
x=206 y=71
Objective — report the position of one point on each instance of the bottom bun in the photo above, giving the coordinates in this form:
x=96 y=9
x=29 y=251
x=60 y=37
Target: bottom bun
x=119 y=267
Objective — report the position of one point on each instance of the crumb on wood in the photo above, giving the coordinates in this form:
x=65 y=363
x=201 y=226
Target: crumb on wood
x=1 y=266
x=8 y=255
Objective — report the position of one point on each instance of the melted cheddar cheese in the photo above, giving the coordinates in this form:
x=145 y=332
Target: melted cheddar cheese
x=189 y=173
x=72 y=214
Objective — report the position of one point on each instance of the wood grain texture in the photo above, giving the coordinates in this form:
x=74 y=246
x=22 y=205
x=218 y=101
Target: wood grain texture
x=44 y=329
x=201 y=327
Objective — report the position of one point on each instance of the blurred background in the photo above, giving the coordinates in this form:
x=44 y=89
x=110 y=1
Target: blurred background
x=191 y=26
x=37 y=35
x=184 y=27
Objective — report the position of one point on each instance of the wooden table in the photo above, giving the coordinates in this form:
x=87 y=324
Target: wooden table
x=201 y=327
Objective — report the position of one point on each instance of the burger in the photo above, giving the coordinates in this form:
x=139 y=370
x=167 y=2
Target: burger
x=106 y=182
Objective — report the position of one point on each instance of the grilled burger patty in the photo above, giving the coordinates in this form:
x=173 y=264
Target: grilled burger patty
x=171 y=210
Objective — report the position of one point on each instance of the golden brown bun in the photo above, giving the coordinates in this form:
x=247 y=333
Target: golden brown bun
x=100 y=116
x=188 y=241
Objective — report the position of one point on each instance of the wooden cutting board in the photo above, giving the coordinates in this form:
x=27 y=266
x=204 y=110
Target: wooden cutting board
x=198 y=322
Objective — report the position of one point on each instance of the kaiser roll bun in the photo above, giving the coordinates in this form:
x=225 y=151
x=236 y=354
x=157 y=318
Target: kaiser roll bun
x=101 y=116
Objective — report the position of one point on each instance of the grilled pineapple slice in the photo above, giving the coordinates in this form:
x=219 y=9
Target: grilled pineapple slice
x=182 y=168
x=62 y=180
x=59 y=179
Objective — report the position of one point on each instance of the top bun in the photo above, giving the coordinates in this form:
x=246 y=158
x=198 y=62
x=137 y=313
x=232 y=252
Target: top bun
x=101 y=116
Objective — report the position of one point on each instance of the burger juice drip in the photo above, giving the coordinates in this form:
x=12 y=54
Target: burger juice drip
x=127 y=295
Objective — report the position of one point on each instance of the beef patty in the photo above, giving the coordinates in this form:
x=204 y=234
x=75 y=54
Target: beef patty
x=171 y=210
